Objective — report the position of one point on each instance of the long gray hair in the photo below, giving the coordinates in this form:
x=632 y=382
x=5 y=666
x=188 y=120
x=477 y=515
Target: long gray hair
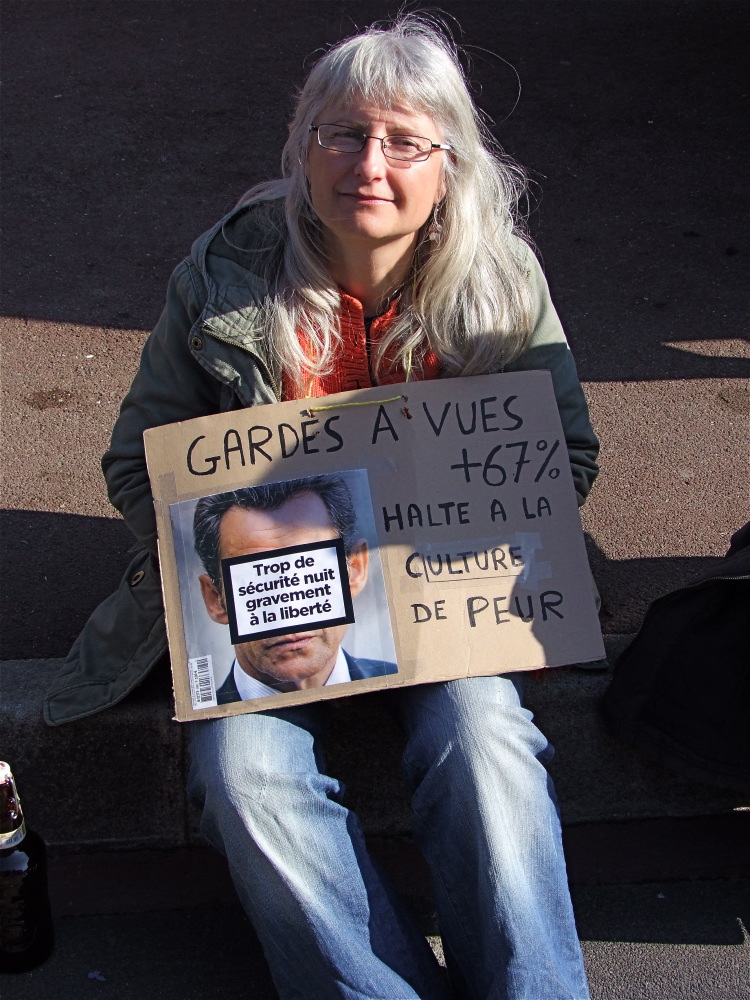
x=467 y=297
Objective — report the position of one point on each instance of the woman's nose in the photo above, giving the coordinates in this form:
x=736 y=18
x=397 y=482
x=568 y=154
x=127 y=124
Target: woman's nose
x=371 y=161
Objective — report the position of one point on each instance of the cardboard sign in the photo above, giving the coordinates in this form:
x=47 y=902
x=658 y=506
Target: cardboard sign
x=395 y=535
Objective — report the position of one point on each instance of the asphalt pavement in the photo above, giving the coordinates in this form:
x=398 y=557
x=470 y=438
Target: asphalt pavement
x=130 y=127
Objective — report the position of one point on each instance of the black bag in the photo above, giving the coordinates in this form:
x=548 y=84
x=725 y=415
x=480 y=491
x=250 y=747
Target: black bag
x=681 y=690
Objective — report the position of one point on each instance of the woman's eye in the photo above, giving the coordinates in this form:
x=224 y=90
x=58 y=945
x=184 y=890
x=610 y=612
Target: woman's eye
x=346 y=133
x=406 y=142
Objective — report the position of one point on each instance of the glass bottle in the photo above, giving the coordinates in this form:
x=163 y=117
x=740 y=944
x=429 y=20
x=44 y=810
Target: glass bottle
x=26 y=934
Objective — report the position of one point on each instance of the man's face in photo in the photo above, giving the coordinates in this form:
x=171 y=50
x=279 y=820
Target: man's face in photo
x=302 y=659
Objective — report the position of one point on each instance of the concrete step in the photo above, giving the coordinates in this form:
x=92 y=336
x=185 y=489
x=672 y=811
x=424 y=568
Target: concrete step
x=116 y=780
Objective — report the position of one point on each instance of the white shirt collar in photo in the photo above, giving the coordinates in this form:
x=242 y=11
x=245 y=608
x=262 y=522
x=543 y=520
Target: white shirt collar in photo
x=249 y=687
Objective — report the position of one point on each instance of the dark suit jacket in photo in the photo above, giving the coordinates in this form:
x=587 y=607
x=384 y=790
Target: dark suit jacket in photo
x=359 y=668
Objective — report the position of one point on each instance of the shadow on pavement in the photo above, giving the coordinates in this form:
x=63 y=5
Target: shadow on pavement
x=54 y=570
x=708 y=913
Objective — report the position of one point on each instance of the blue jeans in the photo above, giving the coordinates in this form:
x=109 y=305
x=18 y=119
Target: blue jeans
x=485 y=817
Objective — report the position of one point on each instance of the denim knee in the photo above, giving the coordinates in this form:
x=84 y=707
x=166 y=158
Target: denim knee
x=471 y=730
x=255 y=767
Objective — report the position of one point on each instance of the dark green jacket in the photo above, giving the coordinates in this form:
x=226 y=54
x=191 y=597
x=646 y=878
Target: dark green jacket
x=206 y=355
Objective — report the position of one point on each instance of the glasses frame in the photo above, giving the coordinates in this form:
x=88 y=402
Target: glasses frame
x=420 y=158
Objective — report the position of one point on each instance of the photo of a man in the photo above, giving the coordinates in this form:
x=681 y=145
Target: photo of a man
x=277 y=516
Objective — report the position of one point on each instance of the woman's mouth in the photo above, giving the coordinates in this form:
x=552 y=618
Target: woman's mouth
x=367 y=198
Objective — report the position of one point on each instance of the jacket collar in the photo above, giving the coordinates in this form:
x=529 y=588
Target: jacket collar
x=231 y=258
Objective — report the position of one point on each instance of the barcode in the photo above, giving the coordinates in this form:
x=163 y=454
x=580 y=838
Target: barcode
x=202 y=687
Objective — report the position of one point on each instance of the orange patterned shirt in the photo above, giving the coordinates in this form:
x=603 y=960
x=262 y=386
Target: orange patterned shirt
x=351 y=369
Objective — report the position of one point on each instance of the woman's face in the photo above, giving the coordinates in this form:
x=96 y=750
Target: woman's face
x=365 y=198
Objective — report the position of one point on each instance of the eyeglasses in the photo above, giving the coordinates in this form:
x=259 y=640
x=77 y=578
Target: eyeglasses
x=395 y=147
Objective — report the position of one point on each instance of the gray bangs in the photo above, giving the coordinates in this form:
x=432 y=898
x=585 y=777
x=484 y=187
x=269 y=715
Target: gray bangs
x=387 y=71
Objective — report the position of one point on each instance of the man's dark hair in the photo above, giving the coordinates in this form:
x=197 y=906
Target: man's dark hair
x=209 y=511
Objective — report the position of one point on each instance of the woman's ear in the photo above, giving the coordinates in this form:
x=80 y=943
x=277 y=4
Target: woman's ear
x=213 y=600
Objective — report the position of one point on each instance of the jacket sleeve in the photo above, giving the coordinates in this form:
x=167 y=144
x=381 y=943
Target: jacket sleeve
x=548 y=349
x=170 y=385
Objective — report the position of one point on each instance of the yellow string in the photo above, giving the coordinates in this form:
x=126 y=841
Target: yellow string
x=363 y=402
